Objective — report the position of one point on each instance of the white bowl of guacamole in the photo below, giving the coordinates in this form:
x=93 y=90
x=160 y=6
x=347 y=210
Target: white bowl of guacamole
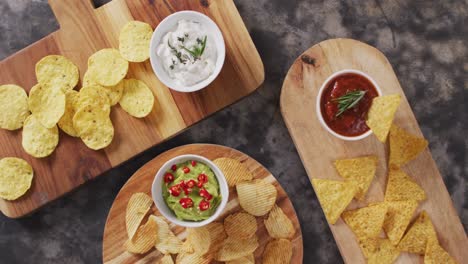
x=190 y=191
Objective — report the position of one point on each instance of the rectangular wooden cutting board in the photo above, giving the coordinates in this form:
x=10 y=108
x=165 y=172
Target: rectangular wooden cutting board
x=318 y=148
x=85 y=30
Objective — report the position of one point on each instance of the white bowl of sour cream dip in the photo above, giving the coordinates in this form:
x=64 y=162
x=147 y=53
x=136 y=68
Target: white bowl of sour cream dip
x=187 y=51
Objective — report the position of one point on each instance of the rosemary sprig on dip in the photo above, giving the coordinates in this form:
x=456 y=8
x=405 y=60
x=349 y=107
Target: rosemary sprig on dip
x=348 y=101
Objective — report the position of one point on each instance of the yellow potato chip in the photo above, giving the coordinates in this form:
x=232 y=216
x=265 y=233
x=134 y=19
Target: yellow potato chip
x=114 y=93
x=415 y=240
x=15 y=178
x=381 y=114
x=137 y=208
x=94 y=127
x=249 y=259
x=234 y=171
x=167 y=242
x=435 y=254
x=13 y=106
x=144 y=239
x=66 y=121
x=361 y=170
x=240 y=225
x=278 y=224
x=137 y=99
x=191 y=258
x=94 y=96
x=167 y=259
x=55 y=71
x=38 y=140
x=134 y=41
x=47 y=104
x=384 y=253
x=404 y=146
x=366 y=222
x=334 y=196
x=217 y=236
x=107 y=67
x=234 y=248
x=398 y=217
x=278 y=251
x=198 y=240
x=256 y=197
x=400 y=187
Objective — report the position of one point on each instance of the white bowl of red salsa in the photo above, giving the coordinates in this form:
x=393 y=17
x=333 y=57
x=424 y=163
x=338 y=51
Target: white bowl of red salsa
x=190 y=191
x=343 y=102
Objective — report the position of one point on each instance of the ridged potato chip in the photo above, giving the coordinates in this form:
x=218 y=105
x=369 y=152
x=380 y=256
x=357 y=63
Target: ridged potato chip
x=415 y=239
x=240 y=225
x=167 y=259
x=234 y=171
x=94 y=96
x=400 y=187
x=107 y=67
x=15 y=178
x=384 y=253
x=57 y=72
x=334 y=196
x=144 y=239
x=38 y=140
x=278 y=224
x=94 y=127
x=404 y=146
x=13 y=106
x=256 y=197
x=381 y=114
x=191 y=258
x=249 y=259
x=278 y=251
x=134 y=41
x=66 y=121
x=398 y=217
x=47 y=104
x=435 y=254
x=198 y=240
x=114 y=93
x=217 y=236
x=167 y=242
x=361 y=170
x=366 y=222
x=234 y=248
x=137 y=207
x=137 y=99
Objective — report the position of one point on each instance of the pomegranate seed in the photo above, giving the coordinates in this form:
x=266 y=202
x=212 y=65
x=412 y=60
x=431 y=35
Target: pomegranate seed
x=186 y=170
x=175 y=190
x=205 y=194
x=204 y=205
x=186 y=202
x=168 y=177
x=191 y=183
x=174 y=167
x=202 y=178
x=194 y=163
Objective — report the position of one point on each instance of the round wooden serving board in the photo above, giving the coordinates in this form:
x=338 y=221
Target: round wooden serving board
x=115 y=233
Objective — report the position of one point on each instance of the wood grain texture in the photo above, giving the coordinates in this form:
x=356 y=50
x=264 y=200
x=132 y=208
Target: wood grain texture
x=115 y=233
x=85 y=30
x=318 y=148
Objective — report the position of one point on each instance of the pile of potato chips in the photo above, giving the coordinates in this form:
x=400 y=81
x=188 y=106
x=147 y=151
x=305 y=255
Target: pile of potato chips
x=402 y=196
x=232 y=241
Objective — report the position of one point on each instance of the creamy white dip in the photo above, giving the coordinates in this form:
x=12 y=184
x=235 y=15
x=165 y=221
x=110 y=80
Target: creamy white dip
x=188 y=53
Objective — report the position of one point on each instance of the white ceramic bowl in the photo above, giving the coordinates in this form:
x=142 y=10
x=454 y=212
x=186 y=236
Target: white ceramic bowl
x=319 y=96
x=169 y=24
x=158 y=182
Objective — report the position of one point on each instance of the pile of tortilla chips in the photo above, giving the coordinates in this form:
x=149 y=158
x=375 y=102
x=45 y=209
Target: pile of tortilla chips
x=402 y=195
x=85 y=113
x=233 y=240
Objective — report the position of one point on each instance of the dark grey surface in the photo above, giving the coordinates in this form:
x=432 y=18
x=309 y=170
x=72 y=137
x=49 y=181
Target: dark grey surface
x=425 y=42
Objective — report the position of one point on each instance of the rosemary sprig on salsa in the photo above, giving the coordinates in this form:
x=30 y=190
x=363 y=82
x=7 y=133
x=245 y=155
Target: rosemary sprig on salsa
x=348 y=101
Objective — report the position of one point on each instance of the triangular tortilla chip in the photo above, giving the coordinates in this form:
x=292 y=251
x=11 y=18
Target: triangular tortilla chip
x=400 y=187
x=404 y=146
x=366 y=222
x=383 y=252
x=435 y=254
x=334 y=196
x=398 y=217
x=361 y=170
x=417 y=236
x=381 y=114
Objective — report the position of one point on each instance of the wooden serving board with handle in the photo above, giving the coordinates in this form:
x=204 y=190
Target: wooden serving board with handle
x=318 y=148
x=115 y=234
x=85 y=30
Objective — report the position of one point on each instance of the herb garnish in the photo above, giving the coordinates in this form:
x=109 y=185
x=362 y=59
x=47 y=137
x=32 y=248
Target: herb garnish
x=348 y=101
x=197 y=51
x=177 y=53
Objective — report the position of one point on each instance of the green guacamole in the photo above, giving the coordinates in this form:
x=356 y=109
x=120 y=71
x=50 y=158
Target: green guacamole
x=200 y=208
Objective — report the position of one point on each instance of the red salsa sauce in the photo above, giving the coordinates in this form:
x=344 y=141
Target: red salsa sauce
x=352 y=122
